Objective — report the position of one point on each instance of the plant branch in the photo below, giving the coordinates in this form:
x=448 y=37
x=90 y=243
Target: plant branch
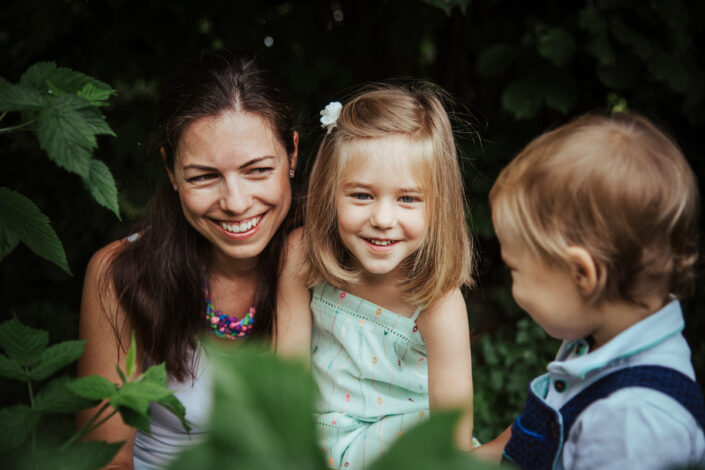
x=4 y=130
x=89 y=426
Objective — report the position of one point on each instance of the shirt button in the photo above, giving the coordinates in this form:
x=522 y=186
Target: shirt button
x=559 y=385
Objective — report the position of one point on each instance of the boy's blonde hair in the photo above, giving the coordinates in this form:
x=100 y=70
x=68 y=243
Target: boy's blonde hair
x=445 y=259
x=616 y=186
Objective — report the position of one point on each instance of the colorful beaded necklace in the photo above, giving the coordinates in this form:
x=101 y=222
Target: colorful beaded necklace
x=226 y=326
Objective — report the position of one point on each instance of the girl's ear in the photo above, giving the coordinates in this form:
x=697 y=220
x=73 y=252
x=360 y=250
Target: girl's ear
x=584 y=269
x=169 y=171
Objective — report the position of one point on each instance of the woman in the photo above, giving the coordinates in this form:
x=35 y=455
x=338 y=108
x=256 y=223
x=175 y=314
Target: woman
x=211 y=241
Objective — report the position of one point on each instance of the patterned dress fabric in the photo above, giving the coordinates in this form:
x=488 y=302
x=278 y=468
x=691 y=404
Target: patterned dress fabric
x=370 y=366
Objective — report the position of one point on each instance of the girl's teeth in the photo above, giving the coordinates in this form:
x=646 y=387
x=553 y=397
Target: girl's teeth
x=242 y=226
x=381 y=242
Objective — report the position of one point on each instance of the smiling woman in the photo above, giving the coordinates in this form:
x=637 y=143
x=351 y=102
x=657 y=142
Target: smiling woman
x=207 y=255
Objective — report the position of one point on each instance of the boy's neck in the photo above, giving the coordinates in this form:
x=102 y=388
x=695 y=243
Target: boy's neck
x=618 y=315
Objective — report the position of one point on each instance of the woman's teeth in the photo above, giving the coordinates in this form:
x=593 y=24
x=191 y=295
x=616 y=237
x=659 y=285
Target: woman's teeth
x=243 y=226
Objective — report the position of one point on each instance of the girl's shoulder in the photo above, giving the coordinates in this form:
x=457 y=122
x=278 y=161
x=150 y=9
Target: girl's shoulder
x=450 y=309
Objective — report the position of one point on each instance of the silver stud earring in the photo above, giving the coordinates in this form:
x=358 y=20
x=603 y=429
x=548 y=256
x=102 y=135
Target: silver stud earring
x=291 y=172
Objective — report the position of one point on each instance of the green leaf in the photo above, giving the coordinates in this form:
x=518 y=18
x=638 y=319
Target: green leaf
x=18 y=97
x=22 y=344
x=17 y=423
x=130 y=365
x=156 y=374
x=8 y=242
x=495 y=60
x=24 y=221
x=88 y=455
x=522 y=98
x=136 y=419
x=63 y=80
x=561 y=91
x=138 y=395
x=556 y=45
x=102 y=187
x=95 y=121
x=250 y=419
x=172 y=404
x=11 y=369
x=93 y=387
x=94 y=94
x=56 y=357
x=429 y=445
x=57 y=397
x=448 y=5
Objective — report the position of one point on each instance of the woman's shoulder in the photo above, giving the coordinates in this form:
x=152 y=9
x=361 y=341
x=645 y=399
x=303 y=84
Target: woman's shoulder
x=102 y=259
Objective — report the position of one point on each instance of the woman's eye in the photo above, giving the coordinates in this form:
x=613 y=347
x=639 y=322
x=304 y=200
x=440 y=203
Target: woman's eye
x=260 y=171
x=201 y=178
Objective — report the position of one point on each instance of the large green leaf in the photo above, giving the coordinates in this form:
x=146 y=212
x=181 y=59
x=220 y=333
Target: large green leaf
x=556 y=45
x=93 y=387
x=23 y=220
x=46 y=76
x=22 y=344
x=253 y=420
x=429 y=446
x=89 y=455
x=135 y=419
x=138 y=395
x=17 y=423
x=18 y=97
x=57 y=397
x=495 y=60
x=11 y=369
x=522 y=97
x=102 y=187
x=57 y=356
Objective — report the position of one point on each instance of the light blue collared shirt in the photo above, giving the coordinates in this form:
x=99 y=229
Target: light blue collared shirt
x=634 y=427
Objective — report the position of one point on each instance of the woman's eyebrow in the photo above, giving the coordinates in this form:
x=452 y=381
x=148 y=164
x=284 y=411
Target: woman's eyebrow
x=257 y=160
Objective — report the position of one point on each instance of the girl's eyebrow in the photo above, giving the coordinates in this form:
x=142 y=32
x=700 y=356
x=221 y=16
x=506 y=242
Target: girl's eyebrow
x=356 y=184
x=248 y=163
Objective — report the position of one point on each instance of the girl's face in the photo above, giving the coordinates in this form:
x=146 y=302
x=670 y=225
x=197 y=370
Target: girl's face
x=231 y=172
x=381 y=208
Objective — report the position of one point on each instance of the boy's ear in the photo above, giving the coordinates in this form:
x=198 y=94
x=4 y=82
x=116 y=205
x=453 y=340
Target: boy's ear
x=169 y=172
x=584 y=269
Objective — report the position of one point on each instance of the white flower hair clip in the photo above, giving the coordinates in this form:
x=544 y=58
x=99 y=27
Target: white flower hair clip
x=329 y=115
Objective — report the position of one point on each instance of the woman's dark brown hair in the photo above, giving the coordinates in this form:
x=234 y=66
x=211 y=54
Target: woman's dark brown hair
x=158 y=278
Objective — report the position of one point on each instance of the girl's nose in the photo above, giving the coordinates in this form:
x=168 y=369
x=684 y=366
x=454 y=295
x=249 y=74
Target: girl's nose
x=235 y=198
x=383 y=215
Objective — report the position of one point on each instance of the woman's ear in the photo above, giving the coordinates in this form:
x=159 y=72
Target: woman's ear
x=583 y=268
x=294 y=156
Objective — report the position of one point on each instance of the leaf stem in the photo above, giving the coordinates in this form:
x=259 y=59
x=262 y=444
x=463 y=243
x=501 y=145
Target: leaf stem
x=32 y=404
x=4 y=130
x=88 y=427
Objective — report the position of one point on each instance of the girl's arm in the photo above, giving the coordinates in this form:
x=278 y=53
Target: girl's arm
x=444 y=327
x=293 y=325
x=103 y=351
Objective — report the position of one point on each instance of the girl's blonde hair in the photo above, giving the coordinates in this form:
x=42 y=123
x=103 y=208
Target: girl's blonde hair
x=616 y=186
x=445 y=259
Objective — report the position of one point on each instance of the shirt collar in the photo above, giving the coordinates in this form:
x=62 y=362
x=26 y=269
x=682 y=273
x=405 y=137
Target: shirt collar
x=649 y=332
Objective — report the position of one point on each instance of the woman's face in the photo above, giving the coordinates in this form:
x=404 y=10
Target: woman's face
x=232 y=175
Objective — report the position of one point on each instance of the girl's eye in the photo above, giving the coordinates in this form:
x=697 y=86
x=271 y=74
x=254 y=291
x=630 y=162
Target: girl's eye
x=361 y=196
x=409 y=199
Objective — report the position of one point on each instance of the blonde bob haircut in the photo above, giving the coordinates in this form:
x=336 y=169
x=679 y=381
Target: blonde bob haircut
x=414 y=112
x=616 y=186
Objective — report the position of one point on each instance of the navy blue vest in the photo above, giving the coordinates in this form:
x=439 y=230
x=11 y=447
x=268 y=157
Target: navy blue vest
x=539 y=433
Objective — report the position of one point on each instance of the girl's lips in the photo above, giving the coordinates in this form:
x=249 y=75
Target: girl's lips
x=380 y=245
x=243 y=229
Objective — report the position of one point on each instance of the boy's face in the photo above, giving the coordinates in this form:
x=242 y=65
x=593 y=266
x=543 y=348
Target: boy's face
x=548 y=293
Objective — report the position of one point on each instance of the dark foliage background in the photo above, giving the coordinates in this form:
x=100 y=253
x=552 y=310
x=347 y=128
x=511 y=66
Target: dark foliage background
x=515 y=67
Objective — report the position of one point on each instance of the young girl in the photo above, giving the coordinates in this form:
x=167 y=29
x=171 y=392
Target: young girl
x=384 y=249
x=597 y=221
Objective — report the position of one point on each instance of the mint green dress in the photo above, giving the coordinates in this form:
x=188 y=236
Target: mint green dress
x=370 y=366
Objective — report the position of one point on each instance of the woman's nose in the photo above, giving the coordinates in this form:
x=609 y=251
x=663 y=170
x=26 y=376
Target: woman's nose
x=235 y=197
